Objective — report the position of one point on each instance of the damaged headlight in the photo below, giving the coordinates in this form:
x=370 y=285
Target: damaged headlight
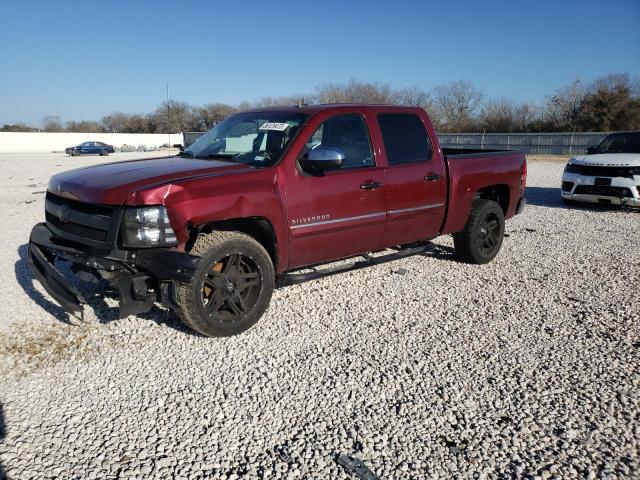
x=147 y=227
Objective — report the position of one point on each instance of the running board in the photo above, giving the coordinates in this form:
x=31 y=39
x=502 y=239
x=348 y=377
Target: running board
x=293 y=278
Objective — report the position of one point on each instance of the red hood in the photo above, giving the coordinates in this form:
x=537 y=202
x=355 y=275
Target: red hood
x=113 y=183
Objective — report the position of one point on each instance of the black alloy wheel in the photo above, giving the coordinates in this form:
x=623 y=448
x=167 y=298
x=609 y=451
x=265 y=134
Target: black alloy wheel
x=231 y=288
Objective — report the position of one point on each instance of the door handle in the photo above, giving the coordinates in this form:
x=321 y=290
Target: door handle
x=432 y=177
x=370 y=185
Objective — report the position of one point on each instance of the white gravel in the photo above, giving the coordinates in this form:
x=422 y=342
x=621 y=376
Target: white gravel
x=423 y=368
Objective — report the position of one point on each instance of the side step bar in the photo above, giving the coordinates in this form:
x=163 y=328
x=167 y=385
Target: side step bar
x=294 y=278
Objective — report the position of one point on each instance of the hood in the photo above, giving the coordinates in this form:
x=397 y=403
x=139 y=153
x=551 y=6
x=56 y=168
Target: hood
x=608 y=160
x=113 y=183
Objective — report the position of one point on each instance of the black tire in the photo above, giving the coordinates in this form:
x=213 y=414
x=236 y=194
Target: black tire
x=232 y=286
x=481 y=239
x=104 y=153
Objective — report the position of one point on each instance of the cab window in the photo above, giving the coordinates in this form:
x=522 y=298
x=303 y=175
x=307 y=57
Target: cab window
x=405 y=138
x=347 y=133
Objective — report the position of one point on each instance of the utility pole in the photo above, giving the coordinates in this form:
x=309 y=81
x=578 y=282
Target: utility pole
x=168 y=118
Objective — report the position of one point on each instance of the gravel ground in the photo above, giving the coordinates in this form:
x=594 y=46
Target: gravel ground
x=422 y=367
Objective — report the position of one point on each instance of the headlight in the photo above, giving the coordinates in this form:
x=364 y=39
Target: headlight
x=147 y=227
x=571 y=168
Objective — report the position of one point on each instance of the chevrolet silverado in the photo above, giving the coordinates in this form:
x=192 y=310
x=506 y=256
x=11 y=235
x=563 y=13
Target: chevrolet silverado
x=263 y=193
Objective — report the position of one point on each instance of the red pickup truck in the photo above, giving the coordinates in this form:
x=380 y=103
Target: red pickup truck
x=266 y=192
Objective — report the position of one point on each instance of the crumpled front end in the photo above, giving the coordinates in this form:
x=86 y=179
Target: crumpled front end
x=88 y=236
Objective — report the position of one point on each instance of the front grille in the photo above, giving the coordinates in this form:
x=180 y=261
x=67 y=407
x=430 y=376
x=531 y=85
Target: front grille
x=604 y=191
x=78 y=230
x=81 y=221
x=599 y=171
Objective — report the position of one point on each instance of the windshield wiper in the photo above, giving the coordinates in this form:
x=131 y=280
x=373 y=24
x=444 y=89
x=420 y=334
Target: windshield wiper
x=225 y=156
x=185 y=153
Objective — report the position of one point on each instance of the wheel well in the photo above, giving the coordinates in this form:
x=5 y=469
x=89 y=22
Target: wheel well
x=497 y=193
x=258 y=228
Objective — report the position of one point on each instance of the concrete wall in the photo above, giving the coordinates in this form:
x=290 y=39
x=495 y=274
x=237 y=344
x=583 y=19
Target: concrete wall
x=41 y=142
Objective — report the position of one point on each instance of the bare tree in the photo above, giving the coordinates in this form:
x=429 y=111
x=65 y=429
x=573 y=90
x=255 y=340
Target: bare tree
x=52 y=123
x=355 y=92
x=85 y=126
x=207 y=116
x=563 y=107
x=115 y=122
x=456 y=103
x=17 y=127
x=283 y=100
x=505 y=116
x=413 y=97
x=173 y=116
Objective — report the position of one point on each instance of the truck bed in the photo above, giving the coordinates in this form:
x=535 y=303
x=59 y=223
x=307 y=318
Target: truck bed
x=480 y=169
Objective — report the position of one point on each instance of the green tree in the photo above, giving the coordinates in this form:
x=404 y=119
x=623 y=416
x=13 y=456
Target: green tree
x=610 y=105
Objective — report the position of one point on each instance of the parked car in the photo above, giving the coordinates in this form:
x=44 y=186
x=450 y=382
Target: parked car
x=609 y=174
x=267 y=192
x=90 y=148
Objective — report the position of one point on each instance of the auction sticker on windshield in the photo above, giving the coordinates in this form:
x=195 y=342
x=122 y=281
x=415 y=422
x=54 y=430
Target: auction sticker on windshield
x=281 y=127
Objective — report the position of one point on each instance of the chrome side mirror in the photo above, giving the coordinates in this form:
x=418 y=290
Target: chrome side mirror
x=323 y=158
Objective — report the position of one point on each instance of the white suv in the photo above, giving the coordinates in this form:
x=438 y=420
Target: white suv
x=609 y=174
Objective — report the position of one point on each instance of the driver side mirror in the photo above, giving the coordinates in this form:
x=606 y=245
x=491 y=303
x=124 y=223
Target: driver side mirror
x=323 y=158
x=591 y=150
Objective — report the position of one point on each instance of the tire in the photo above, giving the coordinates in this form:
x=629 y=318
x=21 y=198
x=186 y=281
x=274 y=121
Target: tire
x=481 y=239
x=213 y=303
x=104 y=153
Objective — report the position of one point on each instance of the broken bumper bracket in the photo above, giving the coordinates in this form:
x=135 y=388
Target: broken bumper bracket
x=54 y=282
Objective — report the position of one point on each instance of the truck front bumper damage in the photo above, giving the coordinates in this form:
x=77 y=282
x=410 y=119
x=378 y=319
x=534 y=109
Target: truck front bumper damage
x=141 y=277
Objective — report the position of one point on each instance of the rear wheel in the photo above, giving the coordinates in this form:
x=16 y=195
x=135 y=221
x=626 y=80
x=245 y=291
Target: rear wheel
x=104 y=153
x=232 y=286
x=481 y=239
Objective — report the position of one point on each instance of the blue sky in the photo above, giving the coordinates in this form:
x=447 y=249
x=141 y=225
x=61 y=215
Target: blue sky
x=84 y=59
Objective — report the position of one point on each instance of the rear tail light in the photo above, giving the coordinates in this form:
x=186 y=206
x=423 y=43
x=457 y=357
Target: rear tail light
x=523 y=176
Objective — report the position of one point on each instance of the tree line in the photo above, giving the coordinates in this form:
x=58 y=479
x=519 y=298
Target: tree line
x=609 y=103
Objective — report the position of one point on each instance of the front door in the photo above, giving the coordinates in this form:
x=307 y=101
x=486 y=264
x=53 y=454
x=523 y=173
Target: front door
x=416 y=188
x=342 y=212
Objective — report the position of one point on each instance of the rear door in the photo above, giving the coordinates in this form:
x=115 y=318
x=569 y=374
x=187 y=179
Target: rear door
x=416 y=179
x=342 y=212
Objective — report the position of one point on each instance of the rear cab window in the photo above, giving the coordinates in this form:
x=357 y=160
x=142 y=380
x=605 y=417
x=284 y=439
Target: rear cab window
x=405 y=138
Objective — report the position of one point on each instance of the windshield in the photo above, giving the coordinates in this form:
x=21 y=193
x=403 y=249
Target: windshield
x=257 y=139
x=620 y=143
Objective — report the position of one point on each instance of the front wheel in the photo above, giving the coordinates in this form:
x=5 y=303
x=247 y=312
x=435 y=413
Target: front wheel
x=232 y=286
x=481 y=239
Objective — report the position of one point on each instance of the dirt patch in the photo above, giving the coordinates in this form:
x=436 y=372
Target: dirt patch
x=23 y=351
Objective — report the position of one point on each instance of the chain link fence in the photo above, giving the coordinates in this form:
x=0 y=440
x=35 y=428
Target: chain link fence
x=532 y=143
